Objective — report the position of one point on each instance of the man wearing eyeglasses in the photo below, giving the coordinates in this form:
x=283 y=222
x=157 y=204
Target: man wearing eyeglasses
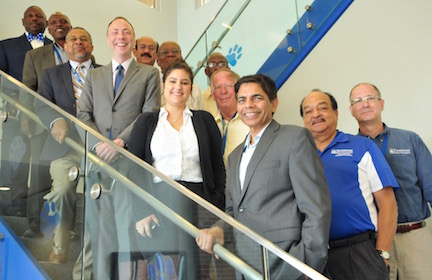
x=145 y=50
x=411 y=162
x=232 y=129
x=169 y=52
x=361 y=184
x=215 y=62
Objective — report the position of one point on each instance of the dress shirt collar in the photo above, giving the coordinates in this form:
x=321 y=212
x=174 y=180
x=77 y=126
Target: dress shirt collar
x=163 y=113
x=247 y=143
x=86 y=63
x=125 y=64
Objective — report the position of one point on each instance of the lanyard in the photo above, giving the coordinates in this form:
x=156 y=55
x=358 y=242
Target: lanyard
x=225 y=132
x=58 y=55
x=384 y=145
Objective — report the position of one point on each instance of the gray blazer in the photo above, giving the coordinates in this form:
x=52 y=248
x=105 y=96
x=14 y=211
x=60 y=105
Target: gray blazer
x=35 y=62
x=285 y=197
x=138 y=92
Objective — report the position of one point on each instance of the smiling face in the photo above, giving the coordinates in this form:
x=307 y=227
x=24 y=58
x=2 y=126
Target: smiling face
x=254 y=107
x=223 y=90
x=168 y=52
x=58 y=26
x=177 y=88
x=78 y=45
x=145 y=51
x=121 y=39
x=366 y=110
x=215 y=62
x=318 y=115
x=34 y=20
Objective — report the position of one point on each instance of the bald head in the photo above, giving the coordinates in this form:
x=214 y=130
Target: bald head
x=146 y=49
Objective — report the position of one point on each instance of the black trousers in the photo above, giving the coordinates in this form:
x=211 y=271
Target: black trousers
x=357 y=261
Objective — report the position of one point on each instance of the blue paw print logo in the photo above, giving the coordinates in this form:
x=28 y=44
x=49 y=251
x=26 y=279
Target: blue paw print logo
x=50 y=218
x=234 y=54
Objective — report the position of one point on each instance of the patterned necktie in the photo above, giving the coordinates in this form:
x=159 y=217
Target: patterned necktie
x=78 y=81
x=118 y=79
x=39 y=37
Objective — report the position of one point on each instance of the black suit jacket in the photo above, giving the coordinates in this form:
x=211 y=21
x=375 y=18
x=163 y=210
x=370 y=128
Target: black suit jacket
x=12 y=54
x=209 y=144
x=57 y=86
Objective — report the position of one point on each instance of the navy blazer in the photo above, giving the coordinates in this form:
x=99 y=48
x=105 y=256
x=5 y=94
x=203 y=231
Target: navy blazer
x=12 y=54
x=57 y=86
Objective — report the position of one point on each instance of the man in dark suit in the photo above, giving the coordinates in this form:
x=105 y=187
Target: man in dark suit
x=62 y=85
x=276 y=186
x=12 y=53
x=113 y=97
x=34 y=63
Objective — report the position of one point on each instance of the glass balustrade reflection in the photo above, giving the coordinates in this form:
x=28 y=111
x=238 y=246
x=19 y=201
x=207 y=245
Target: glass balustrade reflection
x=126 y=220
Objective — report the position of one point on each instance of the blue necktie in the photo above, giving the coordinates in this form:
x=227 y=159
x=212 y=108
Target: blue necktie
x=39 y=37
x=118 y=79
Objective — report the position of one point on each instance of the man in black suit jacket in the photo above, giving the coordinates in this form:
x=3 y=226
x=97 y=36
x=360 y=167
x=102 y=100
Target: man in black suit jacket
x=12 y=53
x=62 y=86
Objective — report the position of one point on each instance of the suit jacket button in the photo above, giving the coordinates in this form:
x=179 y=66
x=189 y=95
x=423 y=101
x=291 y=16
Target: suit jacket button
x=114 y=110
x=107 y=129
x=241 y=210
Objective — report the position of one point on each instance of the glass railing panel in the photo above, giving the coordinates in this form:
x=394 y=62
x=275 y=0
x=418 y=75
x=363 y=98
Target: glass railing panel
x=197 y=60
x=269 y=39
x=116 y=197
x=29 y=157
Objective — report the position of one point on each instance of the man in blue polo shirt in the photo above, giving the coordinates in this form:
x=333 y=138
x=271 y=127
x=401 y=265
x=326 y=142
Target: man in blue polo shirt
x=361 y=186
x=411 y=162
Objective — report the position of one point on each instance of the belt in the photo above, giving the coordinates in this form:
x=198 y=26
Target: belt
x=409 y=227
x=352 y=239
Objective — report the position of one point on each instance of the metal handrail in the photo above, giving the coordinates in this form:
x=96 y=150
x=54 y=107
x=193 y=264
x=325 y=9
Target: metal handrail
x=217 y=42
x=185 y=225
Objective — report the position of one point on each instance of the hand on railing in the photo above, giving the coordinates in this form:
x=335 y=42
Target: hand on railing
x=146 y=225
x=107 y=153
x=60 y=130
x=27 y=126
x=208 y=237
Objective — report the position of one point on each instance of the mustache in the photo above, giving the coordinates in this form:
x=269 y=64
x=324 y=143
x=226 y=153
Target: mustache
x=146 y=54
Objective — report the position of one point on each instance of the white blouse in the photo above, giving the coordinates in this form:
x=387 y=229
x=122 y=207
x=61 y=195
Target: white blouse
x=176 y=153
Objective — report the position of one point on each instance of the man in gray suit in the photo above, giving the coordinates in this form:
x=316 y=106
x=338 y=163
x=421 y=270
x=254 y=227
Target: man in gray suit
x=276 y=186
x=110 y=105
x=34 y=63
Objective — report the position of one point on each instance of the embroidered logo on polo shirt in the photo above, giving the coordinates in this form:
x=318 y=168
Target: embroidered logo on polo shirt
x=342 y=152
x=399 y=151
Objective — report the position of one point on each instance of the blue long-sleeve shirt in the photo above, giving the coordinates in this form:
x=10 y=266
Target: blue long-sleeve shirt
x=411 y=162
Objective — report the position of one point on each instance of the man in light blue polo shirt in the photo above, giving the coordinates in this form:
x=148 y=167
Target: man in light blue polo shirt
x=361 y=187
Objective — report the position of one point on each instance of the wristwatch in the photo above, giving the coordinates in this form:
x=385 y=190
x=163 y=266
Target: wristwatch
x=384 y=254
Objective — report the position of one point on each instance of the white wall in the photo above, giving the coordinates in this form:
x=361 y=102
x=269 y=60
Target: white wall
x=94 y=15
x=385 y=42
x=192 y=22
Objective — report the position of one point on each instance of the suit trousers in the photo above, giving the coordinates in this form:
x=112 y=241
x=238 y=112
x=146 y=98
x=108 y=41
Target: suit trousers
x=40 y=181
x=63 y=194
x=110 y=223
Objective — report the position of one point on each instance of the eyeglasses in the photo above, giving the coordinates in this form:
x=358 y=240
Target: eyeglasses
x=368 y=99
x=219 y=87
x=215 y=64
x=165 y=52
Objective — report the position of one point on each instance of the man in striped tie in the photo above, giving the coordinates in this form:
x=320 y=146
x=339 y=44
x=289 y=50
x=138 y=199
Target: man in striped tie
x=62 y=85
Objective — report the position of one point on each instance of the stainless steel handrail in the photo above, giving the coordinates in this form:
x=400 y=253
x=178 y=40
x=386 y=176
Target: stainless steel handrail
x=214 y=46
x=223 y=253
